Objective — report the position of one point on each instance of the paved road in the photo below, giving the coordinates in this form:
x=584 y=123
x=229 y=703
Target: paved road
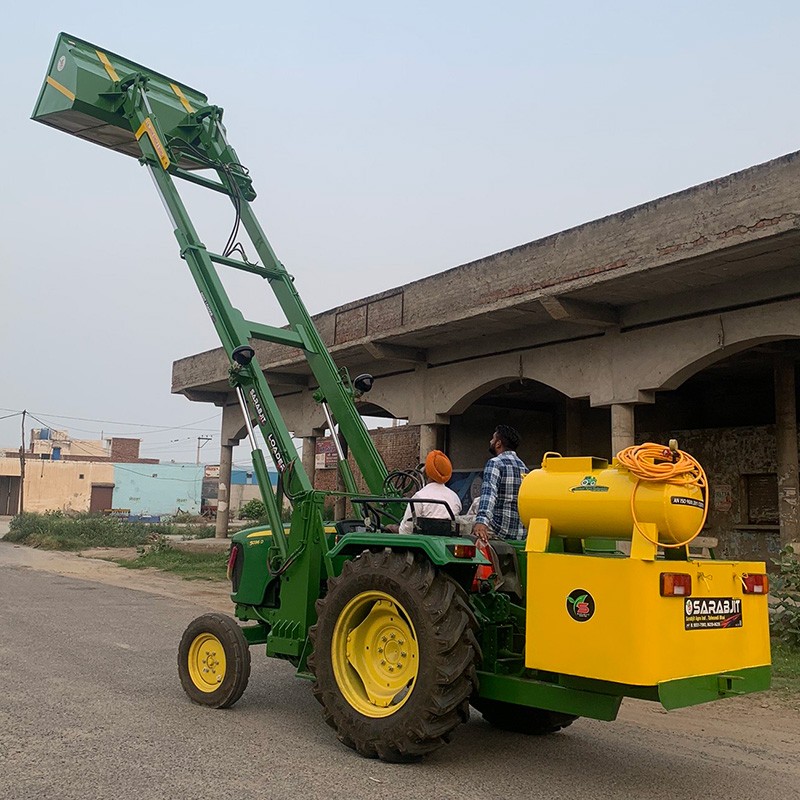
x=92 y=708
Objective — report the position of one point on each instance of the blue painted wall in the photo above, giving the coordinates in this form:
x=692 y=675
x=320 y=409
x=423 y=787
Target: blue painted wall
x=242 y=477
x=158 y=489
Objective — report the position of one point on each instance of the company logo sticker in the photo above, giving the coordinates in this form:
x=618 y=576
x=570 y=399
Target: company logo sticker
x=589 y=484
x=702 y=613
x=580 y=605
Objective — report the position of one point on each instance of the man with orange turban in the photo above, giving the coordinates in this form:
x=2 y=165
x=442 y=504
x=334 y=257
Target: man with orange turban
x=438 y=470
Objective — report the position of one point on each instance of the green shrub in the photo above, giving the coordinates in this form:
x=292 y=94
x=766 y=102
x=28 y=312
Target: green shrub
x=253 y=509
x=785 y=591
x=58 y=531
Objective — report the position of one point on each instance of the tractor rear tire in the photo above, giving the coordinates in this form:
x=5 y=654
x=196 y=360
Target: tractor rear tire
x=214 y=661
x=394 y=655
x=522 y=719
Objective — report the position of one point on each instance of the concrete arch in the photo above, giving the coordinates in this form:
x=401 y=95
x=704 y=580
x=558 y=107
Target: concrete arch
x=457 y=386
x=693 y=368
x=662 y=357
x=466 y=400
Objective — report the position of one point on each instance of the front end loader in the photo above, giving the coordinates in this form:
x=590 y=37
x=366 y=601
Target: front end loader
x=400 y=633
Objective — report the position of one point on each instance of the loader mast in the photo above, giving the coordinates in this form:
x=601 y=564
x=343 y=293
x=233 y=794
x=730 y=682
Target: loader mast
x=173 y=131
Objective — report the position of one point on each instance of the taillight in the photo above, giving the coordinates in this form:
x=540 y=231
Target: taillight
x=676 y=584
x=462 y=550
x=235 y=566
x=755 y=583
x=231 y=562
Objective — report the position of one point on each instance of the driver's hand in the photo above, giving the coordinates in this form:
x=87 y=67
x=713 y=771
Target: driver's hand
x=392 y=528
x=481 y=531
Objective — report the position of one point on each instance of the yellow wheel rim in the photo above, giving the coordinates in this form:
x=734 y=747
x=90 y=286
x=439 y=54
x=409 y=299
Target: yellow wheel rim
x=374 y=654
x=206 y=662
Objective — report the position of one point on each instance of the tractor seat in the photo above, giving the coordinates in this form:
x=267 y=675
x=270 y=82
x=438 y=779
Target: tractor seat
x=434 y=526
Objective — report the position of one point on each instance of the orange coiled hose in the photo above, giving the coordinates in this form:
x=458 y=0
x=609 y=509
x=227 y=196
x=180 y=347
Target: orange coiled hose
x=658 y=464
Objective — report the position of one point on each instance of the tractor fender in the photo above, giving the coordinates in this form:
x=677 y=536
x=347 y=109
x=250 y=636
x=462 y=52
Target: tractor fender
x=440 y=550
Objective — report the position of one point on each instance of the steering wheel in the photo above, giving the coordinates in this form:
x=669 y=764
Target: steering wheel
x=373 y=515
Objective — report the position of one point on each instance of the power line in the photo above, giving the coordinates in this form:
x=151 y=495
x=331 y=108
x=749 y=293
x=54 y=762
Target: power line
x=154 y=428
x=159 y=477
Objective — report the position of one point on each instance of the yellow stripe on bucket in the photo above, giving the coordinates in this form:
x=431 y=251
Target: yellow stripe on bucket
x=112 y=73
x=58 y=87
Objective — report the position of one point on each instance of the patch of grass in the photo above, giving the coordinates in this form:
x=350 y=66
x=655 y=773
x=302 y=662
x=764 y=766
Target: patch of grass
x=190 y=566
x=785 y=668
x=203 y=531
x=58 y=531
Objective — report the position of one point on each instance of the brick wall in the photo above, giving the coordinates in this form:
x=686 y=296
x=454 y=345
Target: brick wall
x=399 y=448
x=125 y=449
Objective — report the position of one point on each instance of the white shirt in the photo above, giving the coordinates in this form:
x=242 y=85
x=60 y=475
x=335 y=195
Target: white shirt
x=431 y=491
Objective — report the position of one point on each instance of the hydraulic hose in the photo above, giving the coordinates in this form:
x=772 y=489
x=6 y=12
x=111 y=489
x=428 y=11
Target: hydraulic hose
x=655 y=463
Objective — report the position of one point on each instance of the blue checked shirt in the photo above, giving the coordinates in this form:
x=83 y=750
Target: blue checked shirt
x=502 y=477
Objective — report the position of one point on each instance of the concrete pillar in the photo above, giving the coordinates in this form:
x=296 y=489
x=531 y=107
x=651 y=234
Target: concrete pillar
x=622 y=426
x=430 y=438
x=223 y=495
x=309 y=456
x=786 y=446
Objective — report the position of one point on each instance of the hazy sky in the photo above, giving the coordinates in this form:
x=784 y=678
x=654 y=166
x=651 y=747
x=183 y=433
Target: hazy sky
x=387 y=141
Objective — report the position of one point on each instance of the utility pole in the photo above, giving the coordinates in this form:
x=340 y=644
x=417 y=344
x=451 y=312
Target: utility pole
x=22 y=467
x=201 y=441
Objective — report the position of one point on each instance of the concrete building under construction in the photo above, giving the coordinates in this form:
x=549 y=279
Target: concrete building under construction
x=677 y=318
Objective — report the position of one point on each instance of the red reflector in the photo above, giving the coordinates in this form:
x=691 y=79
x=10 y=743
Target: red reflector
x=754 y=583
x=463 y=550
x=676 y=584
x=231 y=561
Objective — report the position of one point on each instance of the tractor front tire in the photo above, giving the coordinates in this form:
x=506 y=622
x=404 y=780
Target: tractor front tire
x=394 y=655
x=214 y=661
x=522 y=719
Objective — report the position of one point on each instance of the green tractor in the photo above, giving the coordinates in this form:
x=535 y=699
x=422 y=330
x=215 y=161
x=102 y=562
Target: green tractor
x=401 y=633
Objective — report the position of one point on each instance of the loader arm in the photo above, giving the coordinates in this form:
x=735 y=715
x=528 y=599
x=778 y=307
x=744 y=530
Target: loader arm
x=171 y=128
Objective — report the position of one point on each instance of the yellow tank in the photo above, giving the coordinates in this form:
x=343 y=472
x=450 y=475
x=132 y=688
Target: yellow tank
x=583 y=497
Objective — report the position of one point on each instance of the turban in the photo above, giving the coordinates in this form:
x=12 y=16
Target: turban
x=438 y=467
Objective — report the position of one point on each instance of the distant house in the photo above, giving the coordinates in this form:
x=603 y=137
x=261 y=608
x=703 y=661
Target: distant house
x=97 y=475
x=244 y=488
x=152 y=491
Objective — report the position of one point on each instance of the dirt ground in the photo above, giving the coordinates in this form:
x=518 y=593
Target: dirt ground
x=88 y=566
x=759 y=724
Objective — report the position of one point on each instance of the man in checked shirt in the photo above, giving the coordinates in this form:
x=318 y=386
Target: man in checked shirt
x=497 y=511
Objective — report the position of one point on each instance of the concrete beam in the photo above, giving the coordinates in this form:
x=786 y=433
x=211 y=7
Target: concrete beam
x=286 y=379
x=201 y=396
x=393 y=352
x=563 y=309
